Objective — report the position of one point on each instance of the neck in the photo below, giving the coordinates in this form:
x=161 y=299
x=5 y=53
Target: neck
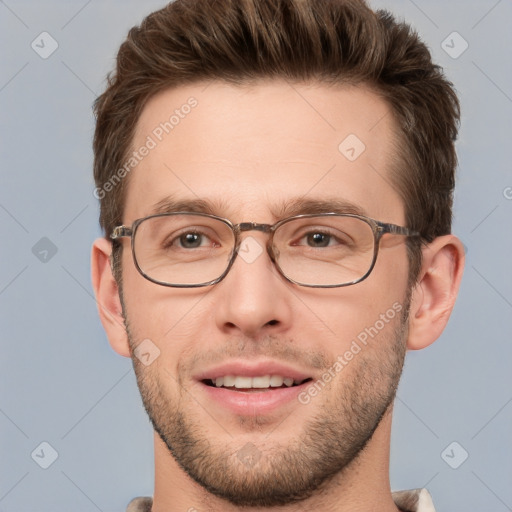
x=362 y=486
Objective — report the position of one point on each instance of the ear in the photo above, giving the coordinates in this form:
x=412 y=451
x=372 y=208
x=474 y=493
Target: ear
x=435 y=292
x=107 y=297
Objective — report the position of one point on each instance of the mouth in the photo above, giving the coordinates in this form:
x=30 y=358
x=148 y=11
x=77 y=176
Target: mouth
x=255 y=384
x=249 y=388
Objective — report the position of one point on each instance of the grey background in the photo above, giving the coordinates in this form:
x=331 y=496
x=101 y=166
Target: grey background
x=62 y=384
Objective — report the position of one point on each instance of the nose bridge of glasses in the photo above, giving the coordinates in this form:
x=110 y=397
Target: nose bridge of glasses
x=263 y=228
x=253 y=226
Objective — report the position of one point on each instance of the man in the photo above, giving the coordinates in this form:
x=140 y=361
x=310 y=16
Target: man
x=276 y=183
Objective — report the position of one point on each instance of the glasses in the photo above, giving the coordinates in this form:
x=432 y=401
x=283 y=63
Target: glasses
x=189 y=250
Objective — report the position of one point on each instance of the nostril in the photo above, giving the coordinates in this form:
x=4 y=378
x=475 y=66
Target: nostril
x=273 y=322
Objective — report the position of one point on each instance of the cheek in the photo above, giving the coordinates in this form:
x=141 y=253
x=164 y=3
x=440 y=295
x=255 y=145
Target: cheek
x=171 y=318
x=352 y=322
x=375 y=303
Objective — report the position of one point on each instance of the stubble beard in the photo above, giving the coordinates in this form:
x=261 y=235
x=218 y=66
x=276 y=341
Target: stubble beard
x=277 y=474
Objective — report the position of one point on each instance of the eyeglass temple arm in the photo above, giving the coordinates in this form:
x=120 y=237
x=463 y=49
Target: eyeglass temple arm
x=397 y=230
x=121 y=231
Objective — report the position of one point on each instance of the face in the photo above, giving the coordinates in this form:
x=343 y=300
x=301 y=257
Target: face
x=259 y=154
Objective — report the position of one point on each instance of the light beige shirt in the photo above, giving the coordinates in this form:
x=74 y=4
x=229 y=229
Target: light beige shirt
x=417 y=500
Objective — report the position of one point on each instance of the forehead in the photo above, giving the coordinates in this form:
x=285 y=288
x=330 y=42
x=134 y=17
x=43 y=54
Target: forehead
x=249 y=150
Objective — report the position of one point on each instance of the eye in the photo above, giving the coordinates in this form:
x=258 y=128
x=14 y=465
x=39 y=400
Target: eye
x=318 y=239
x=191 y=240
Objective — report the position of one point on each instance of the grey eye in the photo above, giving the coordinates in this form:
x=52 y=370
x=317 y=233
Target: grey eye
x=318 y=239
x=191 y=240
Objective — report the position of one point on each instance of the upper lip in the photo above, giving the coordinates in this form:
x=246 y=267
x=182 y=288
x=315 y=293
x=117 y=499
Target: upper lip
x=245 y=368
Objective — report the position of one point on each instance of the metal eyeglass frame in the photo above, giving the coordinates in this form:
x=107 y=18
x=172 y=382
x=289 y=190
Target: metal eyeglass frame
x=378 y=228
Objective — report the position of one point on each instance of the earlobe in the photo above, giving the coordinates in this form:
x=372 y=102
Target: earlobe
x=107 y=297
x=434 y=295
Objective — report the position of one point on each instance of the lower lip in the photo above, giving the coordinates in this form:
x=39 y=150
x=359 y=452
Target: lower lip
x=252 y=403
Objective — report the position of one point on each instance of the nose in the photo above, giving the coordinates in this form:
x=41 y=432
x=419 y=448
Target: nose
x=253 y=299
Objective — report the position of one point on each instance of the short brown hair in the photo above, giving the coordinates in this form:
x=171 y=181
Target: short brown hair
x=329 y=41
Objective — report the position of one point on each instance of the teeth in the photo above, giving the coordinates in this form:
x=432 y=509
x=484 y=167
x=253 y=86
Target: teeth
x=276 y=381
x=243 y=382
x=260 y=382
x=229 y=381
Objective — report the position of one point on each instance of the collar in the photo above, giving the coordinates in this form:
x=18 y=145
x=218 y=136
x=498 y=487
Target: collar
x=416 y=500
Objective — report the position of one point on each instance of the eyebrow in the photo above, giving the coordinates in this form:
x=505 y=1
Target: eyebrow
x=288 y=208
x=170 y=204
x=302 y=205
